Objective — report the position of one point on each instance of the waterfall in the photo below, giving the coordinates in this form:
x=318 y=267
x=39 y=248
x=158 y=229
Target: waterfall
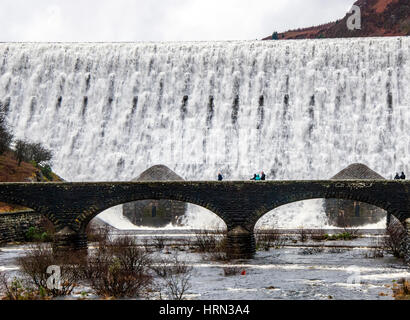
x=302 y=109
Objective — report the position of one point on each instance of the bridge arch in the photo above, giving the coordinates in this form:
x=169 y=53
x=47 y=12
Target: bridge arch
x=306 y=213
x=193 y=212
x=312 y=213
x=91 y=213
x=354 y=196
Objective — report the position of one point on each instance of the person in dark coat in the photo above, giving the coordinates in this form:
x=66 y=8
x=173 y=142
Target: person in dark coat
x=263 y=176
x=403 y=177
x=397 y=177
x=254 y=177
x=220 y=178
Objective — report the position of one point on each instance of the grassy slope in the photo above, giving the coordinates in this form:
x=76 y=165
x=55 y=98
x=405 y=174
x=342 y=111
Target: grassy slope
x=26 y=172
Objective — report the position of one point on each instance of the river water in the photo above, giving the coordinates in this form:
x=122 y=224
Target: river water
x=302 y=270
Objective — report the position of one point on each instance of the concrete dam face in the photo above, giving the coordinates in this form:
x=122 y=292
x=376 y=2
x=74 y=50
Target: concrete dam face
x=294 y=109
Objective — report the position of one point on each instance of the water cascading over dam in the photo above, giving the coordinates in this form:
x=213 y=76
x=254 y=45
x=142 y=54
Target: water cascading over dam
x=295 y=109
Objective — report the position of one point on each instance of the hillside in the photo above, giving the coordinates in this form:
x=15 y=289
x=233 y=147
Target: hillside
x=379 y=18
x=26 y=172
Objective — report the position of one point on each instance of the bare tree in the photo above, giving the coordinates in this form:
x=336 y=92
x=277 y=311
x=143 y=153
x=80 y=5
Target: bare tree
x=303 y=236
x=395 y=238
x=26 y=151
x=39 y=153
x=118 y=268
x=174 y=277
x=21 y=151
x=267 y=239
x=5 y=136
x=15 y=289
x=34 y=269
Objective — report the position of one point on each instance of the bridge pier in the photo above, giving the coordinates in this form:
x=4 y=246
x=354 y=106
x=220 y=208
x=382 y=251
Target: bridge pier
x=240 y=243
x=388 y=219
x=406 y=244
x=68 y=239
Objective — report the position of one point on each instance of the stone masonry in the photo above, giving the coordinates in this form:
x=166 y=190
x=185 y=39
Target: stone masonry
x=155 y=213
x=240 y=204
x=14 y=226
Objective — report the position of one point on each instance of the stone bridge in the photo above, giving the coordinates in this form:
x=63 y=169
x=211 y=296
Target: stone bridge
x=240 y=204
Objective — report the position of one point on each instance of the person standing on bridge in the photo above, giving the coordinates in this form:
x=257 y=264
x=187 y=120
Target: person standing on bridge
x=254 y=177
x=257 y=178
x=263 y=176
x=220 y=178
x=397 y=177
x=403 y=177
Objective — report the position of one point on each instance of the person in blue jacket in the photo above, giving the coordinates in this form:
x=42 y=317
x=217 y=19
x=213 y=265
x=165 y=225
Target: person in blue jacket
x=257 y=178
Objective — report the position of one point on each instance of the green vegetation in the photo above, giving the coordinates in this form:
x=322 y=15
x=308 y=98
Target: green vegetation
x=340 y=236
x=35 y=235
x=16 y=290
x=46 y=171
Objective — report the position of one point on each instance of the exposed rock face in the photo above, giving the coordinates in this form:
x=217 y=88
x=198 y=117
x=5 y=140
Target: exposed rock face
x=344 y=213
x=155 y=213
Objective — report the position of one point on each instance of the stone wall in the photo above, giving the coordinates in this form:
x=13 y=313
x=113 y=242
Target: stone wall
x=14 y=226
x=345 y=213
x=155 y=213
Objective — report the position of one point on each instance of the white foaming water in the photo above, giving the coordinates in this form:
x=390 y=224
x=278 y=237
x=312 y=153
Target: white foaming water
x=114 y=217
x=295 y=109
